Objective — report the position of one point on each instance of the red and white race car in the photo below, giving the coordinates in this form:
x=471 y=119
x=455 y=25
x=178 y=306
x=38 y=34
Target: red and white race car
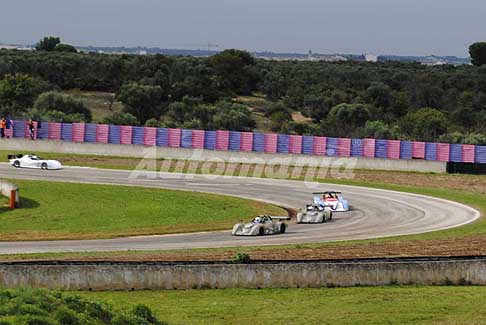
x=332 y=199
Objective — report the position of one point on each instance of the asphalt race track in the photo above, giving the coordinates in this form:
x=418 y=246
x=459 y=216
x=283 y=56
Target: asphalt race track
x=375 y=213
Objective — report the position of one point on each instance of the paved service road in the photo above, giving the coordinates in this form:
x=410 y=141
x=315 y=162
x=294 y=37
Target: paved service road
x=375 y=213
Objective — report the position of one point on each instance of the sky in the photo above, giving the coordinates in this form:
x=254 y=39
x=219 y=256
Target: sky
x=405 y=27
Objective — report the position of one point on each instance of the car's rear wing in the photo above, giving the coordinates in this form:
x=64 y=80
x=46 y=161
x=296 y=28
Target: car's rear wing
x=280 y=218
x=328 y=192
x=15 y=156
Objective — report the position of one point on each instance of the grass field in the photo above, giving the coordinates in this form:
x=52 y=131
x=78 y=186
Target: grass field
x=362 y=305
x=52 y=210
x=97 y=103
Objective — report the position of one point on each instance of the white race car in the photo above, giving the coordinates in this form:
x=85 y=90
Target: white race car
x=32 y=161
x=315 y=213
x=332 y=199
x=261 y=225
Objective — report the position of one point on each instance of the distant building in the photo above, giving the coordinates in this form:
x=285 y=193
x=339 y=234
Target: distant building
x=15 y=47
x=371 y=58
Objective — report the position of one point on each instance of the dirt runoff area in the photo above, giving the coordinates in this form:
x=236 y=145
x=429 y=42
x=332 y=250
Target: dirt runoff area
x=468 y=246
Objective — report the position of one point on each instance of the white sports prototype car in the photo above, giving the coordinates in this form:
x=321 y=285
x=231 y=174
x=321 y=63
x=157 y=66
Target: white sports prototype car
x=315 y=213
x=261 y=225
x=32 y=161
x=333 y=199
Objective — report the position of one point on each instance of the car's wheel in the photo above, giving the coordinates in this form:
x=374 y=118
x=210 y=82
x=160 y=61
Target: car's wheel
x=283 y=228
x=321 y=217
x=44 y=166
x=261 y=231
x=16 y=163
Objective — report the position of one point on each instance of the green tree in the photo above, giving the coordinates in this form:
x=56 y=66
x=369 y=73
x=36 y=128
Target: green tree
x=477 y=51
x=381 y=130
x=65 y=48
x=235 y=71
x=344 y=119
x=231 y=116
x=426 y=124
x=18 y=93
x=380 y=95
x=142 y=101
x=48 y=43
x=67 y=104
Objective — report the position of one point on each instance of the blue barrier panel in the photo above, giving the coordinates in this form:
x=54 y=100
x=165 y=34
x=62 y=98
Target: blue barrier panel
x=90 y=133
x=234 y=141
x=332 y=147
x=283 y=143
x=19 y=129
x=430 y=151
x=480 y=154
x=381 y=148
x=210 y=140
x=186 y=138
x=138 y=135
x=356 y=148
x=114 y=134
x=258 y=142
x=455 y=153
x=43 y=130
x=67 y=132
x=405 y=149
x=307 y=145
x=162 y=137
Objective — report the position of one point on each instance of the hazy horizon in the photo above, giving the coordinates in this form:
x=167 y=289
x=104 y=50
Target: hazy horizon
x=415 y=27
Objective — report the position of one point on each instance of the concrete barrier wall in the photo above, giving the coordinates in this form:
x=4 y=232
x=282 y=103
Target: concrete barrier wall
x=6 y=188
x=137 y=151
x=138 y=276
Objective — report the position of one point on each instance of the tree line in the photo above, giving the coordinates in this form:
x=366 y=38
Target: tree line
x=388 y=100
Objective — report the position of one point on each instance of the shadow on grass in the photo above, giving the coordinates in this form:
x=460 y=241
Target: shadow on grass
x=25 y=203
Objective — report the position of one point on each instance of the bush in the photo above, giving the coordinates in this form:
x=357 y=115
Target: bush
x=55 y=101
x=121 y=119
x=241 y=258
x=43 y=307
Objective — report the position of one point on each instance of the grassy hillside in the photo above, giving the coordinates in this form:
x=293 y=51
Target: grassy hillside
x=98 y=103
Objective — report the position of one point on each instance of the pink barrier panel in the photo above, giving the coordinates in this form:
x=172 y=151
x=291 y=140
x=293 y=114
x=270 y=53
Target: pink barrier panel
x=295 y=144
x=149 y=136
x=369 y=148
x=468 y=153
x=246 y=142
x=78 y=132
x=271 y=142
x=344 y=147
x=222 y=140
x=393 y=151
x=198 y=139
x=9 y=132
x=102 y=132
x=175 y=138
x=443 y=151
x=125 y=134
x=54 y=131
x=319 y=146
x=418 y=150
